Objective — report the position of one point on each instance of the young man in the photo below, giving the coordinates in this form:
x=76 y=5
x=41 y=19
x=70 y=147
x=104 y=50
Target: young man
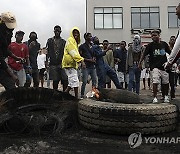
x=172 y=72
x=55 y=52
x=34 y=47
x=71 y=59
x=145 y=74
x=157 y=57
x=87 y=53
x=175 y=54
x=108 y=59
x=21 y=50
x=7 y=25
x=133 y=56
x=41 y=61
x=103 y=69
x=120 y=56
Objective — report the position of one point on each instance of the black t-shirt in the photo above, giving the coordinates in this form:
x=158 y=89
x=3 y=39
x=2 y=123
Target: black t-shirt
x=157 y=54
x=33 y=53
x=55 y=56
x=87 y=53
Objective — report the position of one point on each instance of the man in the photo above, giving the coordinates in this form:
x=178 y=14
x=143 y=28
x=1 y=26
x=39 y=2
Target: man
x=133 y=57
x=55 y=52
x=172 y=72
x=108 y=59
x=7 y=25
x=87 y=53
x=175 y=54
x=145 y=73
x=71 y=59
x=157 y=57
x=34 y=47
x=120 y=56
x=41 y=61
x=21 y=50
x=103 y=69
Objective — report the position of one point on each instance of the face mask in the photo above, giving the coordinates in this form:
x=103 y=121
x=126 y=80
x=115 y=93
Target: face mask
x=117 y=48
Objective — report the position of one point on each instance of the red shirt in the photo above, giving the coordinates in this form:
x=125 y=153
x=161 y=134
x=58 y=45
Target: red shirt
x=20 y=50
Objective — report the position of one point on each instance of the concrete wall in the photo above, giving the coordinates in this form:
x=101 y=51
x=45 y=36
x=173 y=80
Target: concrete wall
x=116 y=35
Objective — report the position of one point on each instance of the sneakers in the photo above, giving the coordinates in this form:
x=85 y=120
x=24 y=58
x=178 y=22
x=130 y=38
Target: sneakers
x=166 y=99
x=82 y=97
x=155 y=100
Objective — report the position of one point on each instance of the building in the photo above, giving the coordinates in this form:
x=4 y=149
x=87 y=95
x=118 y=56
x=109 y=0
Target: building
x=117 y=20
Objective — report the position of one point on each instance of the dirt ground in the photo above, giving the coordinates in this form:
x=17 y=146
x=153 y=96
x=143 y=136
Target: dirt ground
x=83 y=141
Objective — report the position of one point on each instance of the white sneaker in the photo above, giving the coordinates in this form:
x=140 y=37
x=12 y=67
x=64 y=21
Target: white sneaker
x=166 y=99
x=155 y=100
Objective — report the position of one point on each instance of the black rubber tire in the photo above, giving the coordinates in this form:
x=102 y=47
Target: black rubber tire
x=46 y=105
x=119 y=118
x=120 y=96
x=23 y=96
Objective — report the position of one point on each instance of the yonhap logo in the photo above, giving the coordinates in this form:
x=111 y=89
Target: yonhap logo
x=135 y=140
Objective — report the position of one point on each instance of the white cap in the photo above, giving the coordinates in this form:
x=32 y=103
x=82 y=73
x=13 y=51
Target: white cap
x=9 y=19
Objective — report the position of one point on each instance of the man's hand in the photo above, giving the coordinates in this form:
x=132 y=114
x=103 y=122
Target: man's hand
x=33 y=43
x=83 y=64
x=93 y=60
x=22 y=60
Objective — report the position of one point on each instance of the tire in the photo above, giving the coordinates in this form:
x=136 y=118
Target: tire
x=116 y=118
x=120 y=96
x=38 y=108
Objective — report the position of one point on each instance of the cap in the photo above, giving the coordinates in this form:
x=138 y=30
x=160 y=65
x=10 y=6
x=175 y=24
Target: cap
x=137 y=37
x=19 y=32
x=9 y=19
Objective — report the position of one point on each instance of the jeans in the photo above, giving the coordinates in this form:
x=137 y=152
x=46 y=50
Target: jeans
x=85 y=73
x=134 y=76
x=172 y=84
x=102 y=72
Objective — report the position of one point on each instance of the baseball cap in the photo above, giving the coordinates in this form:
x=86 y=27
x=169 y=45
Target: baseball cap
x=9 y=19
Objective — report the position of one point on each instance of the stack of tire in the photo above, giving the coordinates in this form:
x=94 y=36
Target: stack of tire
x=124 y=114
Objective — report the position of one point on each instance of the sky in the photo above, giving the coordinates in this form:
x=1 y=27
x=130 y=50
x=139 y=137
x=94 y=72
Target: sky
x=42 y=15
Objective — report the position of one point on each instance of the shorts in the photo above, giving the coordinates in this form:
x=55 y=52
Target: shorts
x=21 y=74
x=123 y=77
x=159 y=75
x=56 y=73
x=145 y=73
x=41 y=72
x=72 y=75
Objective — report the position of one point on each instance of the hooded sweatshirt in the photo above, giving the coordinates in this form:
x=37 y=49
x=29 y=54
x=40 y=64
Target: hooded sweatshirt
x=134 y=52
x=71 y=56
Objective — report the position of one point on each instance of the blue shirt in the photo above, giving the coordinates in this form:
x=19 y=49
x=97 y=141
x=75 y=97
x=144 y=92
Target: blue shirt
x=99 y=56
x=87 y=53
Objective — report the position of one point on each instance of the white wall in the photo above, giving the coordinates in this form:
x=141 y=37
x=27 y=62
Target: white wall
x=116 y=35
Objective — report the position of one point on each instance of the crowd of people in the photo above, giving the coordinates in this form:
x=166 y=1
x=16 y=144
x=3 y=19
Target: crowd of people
x=69 y=61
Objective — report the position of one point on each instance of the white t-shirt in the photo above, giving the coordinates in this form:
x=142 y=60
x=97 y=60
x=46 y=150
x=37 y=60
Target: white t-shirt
x=41 y=61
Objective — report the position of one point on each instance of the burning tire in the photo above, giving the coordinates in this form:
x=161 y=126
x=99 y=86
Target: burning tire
x=117 y=118
x=120 y=96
